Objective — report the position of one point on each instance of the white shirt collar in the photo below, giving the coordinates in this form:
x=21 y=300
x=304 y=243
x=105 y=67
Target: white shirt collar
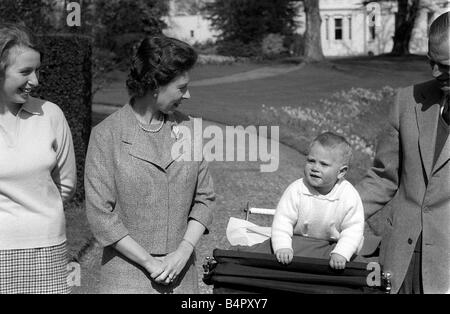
x=332 y=196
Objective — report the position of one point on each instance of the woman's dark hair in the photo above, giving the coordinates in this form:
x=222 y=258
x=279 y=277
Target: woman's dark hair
x=157 y=61
x=14 y=35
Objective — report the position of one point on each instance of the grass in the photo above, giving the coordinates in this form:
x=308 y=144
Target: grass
x=358 y=114
x=114 y=88
x=242 y=103
x=237 y=103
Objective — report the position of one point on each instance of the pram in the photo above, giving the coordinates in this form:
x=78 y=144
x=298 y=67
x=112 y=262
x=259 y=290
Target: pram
x=242 y=269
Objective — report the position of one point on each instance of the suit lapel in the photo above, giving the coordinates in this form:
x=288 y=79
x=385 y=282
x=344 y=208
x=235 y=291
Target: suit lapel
x=139 y=148
x=132 y=135
x=427 y=123
x=443 y=157
x=427 y=113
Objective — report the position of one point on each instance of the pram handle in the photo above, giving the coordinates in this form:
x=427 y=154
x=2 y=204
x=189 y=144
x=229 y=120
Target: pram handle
x=255 y=210
x=261 y=211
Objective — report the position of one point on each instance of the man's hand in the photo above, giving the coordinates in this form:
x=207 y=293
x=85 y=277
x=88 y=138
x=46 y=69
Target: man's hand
x=337 y=261
x=284 y=256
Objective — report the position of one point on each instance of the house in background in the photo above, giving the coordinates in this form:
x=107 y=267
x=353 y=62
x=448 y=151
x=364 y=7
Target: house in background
x=349 y=27
x=186 y=22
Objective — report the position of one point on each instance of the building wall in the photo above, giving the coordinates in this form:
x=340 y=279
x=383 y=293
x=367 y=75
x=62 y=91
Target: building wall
x=190 y=28
x=346 y=30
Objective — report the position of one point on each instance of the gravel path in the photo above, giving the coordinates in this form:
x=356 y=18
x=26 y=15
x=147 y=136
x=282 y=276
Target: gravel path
x=256 y=74
x=116 y=94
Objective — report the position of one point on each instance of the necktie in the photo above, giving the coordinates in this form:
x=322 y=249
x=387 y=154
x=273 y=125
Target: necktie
x=446 y=111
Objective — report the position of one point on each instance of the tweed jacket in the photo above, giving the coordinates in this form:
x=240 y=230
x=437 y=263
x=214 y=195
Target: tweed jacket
x=418 y=192
x=134 y=186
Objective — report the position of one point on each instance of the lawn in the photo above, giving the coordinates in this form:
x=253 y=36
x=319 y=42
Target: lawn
x=113 y=90
x=237 y=103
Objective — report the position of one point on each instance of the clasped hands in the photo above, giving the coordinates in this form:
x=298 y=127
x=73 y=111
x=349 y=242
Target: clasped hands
x=285 y=256
x=164 y=270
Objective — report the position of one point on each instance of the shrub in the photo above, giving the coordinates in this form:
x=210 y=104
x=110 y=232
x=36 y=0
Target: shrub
x=66 y=80
x=236 y=48
x=35 y=14
x=295 y=44
x=207 y=48
x=273 y=45
x=103 y=61
x=122 y=23
x=215 y=59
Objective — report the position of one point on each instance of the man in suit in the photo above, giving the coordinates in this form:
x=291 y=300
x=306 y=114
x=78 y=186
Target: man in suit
x=411 y=172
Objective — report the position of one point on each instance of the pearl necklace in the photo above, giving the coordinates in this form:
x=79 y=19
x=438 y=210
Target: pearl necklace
x=158 y=129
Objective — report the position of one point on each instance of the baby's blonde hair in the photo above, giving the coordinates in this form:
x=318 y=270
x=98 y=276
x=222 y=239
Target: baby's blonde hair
x=335 y=141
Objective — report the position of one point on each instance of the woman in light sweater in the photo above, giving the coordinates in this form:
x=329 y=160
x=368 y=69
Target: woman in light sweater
x=37 y=173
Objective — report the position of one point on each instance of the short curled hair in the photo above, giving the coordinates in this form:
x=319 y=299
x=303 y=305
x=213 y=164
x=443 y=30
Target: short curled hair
x=14 y=35
x=157 y=61
x=335 y=141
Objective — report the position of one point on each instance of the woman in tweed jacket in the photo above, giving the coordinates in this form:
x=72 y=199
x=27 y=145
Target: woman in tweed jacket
x=147 y=207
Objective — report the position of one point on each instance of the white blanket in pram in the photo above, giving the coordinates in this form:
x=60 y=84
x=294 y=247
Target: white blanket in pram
x=243 y=232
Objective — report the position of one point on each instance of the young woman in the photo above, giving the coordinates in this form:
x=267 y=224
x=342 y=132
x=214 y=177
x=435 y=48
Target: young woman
x=37 y=173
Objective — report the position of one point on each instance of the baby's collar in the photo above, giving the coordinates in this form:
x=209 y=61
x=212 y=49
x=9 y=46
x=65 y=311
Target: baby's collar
x=332 y=196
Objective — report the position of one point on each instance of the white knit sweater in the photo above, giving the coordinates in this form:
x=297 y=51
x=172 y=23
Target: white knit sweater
x=337 y=216
x=37 y=173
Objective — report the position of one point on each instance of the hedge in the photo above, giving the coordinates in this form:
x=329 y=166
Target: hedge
x=66 y=80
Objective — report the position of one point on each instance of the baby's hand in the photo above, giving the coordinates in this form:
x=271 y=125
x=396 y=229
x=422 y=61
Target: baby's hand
x=337 y=261
x=284 y=256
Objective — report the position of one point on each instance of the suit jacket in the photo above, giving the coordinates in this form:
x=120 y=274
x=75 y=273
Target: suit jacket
x=419 y=193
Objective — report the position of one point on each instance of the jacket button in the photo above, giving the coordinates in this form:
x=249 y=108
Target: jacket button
x=410 y=241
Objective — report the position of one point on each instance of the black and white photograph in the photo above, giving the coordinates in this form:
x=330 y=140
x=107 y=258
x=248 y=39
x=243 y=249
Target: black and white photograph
x=238 y=152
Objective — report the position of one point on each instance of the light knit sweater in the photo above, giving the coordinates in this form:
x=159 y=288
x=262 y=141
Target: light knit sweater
x=37 y=173
x=337 y=216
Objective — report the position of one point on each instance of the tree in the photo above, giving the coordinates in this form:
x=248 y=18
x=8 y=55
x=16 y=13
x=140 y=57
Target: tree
x=407 y=13
x=404 y=25
x=37 y=15
x=120 y=23
x=313 y=40
x=248 y=21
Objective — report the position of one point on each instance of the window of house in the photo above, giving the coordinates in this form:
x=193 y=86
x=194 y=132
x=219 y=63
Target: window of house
x=372 y=32
x=192 y=34
x=350 y=27
x=327 y=28
x=338 y=29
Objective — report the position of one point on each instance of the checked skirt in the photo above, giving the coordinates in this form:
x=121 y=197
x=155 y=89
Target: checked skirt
x=34 y=271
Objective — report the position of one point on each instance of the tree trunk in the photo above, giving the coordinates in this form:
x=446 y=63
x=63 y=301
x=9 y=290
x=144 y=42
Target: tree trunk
x=313 y=42
x=404 y=25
